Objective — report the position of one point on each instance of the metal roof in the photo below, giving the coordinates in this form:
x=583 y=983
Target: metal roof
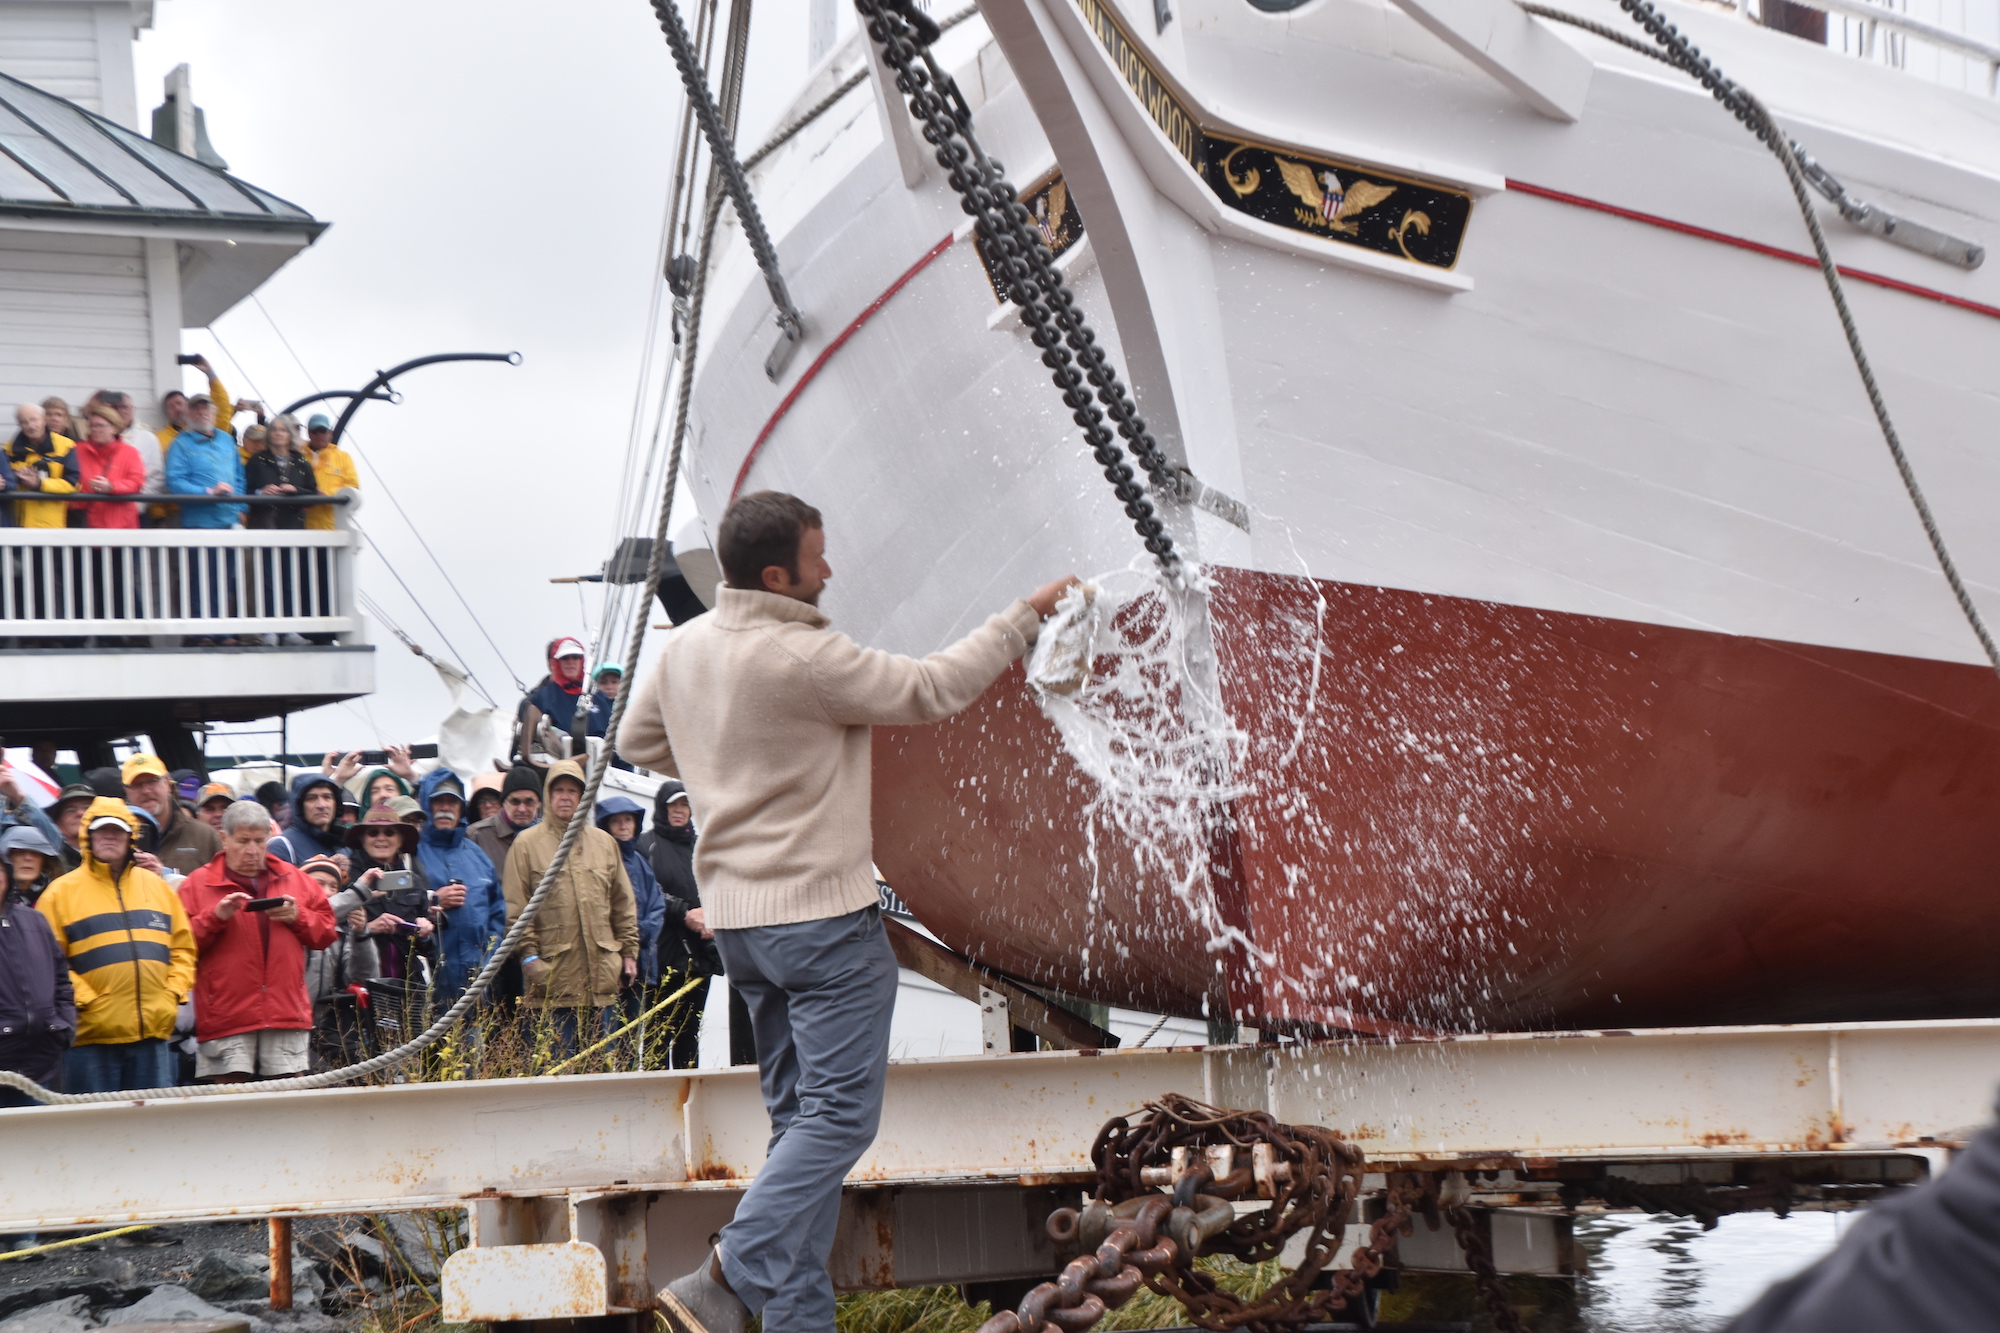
x=58 y=159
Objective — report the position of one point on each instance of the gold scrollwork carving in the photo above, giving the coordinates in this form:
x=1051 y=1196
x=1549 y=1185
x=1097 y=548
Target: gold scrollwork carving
x=1247 y=183
x=1413 y=218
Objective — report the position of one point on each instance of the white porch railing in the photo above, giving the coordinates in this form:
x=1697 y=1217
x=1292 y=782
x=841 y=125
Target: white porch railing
x=70 y=582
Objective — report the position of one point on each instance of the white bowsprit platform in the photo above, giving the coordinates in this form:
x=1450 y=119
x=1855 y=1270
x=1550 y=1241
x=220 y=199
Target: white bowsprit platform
x=585 y=1194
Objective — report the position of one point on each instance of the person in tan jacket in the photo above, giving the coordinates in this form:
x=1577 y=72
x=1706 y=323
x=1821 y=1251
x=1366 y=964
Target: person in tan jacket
x=583 y=944
x=764 y=711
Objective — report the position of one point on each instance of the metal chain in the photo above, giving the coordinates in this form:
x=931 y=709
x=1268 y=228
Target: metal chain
x=1479 y=1258
x=1205 y=1159
x=722 y=150
x=1016 y=254
x=1676 y=50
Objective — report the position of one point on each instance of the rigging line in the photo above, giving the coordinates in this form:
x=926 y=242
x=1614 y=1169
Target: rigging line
x=1678 y=51
x=383 y=481
x=443 y=638
x=832 y=99
x=296 y=359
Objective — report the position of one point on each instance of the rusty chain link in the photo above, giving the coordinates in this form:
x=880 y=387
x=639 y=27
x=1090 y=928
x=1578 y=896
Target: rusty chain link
x=1479 y=1258
x=1168 y=1180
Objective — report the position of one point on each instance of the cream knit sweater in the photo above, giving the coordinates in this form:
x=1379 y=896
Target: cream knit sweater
x=764 y=711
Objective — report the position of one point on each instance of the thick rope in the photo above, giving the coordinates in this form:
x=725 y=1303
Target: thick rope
x=1675 y=49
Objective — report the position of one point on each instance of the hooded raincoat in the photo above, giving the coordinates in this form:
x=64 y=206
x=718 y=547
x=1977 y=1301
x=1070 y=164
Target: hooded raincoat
x=465 y=935
x=301 y=842
x=359 y=785
x=37 y=1009
x=647 y=899
x=670 y=853
x=131 y=953
x=588 y=924
x=253 y=969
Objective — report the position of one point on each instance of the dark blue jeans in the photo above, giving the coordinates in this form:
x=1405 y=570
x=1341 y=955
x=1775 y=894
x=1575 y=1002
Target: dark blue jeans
x=126 y=1066
x=820 y=996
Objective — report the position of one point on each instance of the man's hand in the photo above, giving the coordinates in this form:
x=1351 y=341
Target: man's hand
x=399 y=762
x=27 y=479
x=1044 y=598
x=222 y=488
x=384 y=924
x=273 y=489
x=148 y=861
x=101 y=485
x=227 y=908
x=9 y=786
x=451 y=895
x=535 y=973
x=287 y=913
x=698 y=923
x=631 y=970
x=424 y=927
x=288 y=489
x=348 y=767
x=201 y=364
x=357 y=920
x=326 y=765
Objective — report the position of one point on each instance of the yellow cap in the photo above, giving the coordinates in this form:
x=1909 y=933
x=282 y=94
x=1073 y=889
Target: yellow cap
x=141 y=764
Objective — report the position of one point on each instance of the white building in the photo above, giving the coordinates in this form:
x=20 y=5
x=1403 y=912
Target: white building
x=110 y=245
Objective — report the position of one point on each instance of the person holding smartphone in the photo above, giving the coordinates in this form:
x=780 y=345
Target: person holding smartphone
x=255 y=918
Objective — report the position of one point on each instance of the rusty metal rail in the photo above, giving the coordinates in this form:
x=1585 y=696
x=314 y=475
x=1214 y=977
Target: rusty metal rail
x=1474 y=1102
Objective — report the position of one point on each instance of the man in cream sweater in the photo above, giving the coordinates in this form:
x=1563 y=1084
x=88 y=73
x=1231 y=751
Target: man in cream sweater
x=763 y=710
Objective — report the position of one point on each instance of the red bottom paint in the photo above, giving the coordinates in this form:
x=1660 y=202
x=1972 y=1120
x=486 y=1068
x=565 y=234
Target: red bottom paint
x=1486 y=817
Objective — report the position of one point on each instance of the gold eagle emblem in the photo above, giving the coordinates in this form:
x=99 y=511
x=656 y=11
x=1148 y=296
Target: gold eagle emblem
x=1335 y=203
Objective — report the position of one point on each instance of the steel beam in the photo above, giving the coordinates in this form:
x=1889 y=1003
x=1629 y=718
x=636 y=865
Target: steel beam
x=1678 y=1094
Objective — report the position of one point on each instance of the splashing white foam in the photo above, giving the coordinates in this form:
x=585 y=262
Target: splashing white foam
x=1126 y=673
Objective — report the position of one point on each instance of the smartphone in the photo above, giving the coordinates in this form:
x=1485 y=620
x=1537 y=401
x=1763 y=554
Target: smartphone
x=396 y=881
x=266 y=904
x=376 y=758
x=407 y=928
x=186 y=359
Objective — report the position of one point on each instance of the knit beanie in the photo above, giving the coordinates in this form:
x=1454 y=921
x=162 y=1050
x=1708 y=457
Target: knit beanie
x=521 y=778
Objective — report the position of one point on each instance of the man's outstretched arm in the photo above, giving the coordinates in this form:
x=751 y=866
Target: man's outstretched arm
x=859 y=686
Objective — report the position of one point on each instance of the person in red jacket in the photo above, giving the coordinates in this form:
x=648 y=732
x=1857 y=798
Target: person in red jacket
x=252 y=1015
x=106 y=465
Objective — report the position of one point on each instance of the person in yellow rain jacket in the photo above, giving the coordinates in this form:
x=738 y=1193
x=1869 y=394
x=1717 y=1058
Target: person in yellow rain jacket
x=40 y=461
x=332 y=469
x=131 y=958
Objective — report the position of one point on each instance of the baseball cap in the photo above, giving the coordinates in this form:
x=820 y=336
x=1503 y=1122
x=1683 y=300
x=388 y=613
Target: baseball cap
x=139 y=765
x=603 y=667
x=319 y=421
x=403 y=806
x=108 y=820
x=566 y=648
x=213 y=790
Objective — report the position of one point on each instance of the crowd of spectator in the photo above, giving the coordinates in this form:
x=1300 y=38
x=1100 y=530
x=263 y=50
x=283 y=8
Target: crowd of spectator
x=100 y=450
x=157 y=928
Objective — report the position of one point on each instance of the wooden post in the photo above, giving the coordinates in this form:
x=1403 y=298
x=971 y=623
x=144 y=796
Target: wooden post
x=281 y=1263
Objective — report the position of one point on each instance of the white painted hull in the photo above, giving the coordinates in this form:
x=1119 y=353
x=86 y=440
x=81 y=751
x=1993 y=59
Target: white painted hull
x=1593 y=420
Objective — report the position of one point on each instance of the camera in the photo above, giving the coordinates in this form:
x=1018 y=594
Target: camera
x=401 y=896
x=187 y=359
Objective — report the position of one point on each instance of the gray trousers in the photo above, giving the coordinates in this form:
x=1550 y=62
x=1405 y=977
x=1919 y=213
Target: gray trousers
x=820 y=995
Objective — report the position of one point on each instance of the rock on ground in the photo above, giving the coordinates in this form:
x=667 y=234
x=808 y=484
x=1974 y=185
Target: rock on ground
x=71 y=1314
x=174 y=1304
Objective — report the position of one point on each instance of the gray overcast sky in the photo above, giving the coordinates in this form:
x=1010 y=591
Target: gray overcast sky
x=495 y=174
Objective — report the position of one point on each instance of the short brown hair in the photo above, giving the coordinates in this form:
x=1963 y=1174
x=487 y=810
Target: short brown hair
x=760 y=530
